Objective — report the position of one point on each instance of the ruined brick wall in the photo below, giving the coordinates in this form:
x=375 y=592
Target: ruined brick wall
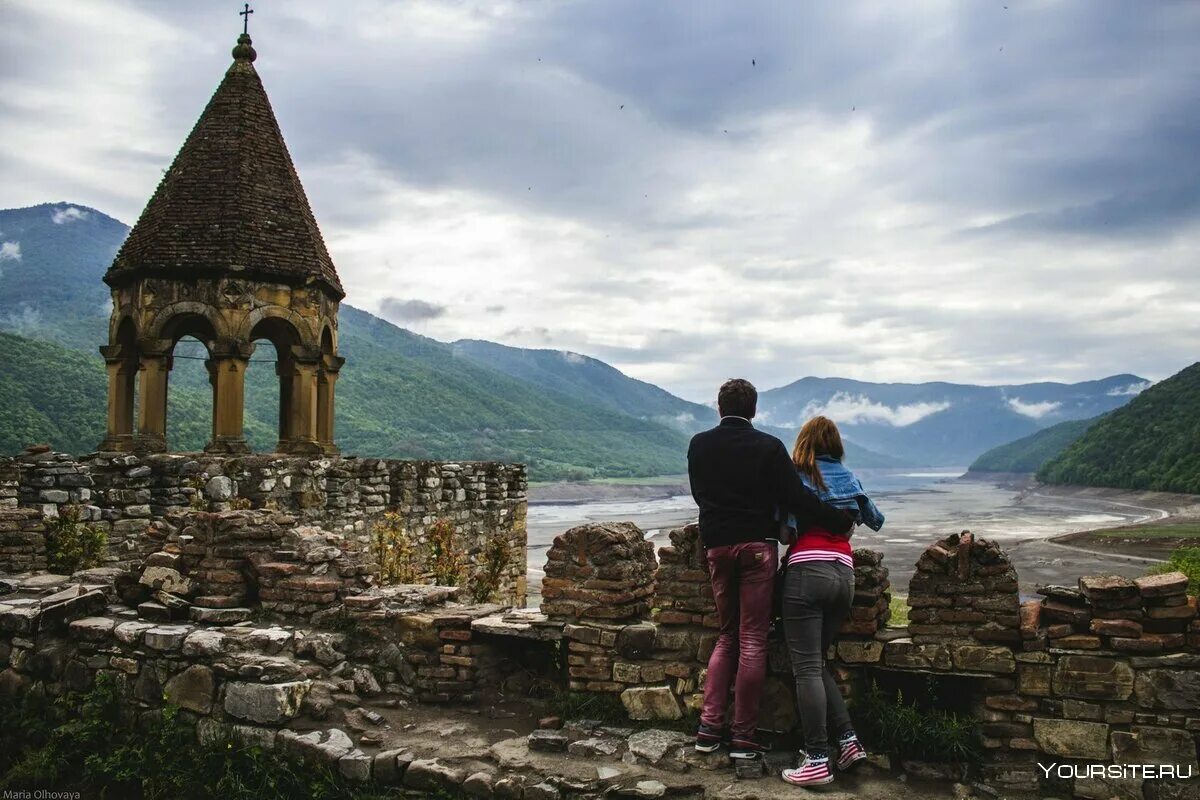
x=601 y=577
x=1060 y=680
x=126 y=494
x=683 y=590
x=964 y=590
x=599 y=572
x=415 y=642
x=218 y=561
x=1108 y=672
x=597 y=576
x=22 y=540
x=10 y=484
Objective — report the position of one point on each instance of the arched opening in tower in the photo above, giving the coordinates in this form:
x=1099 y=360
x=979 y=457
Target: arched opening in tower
x=262 y=401
x=185 y=398
x=189 y=397
x=273 y=397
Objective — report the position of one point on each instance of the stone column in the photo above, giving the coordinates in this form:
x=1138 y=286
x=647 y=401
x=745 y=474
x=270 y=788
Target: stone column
x=283 y=370
x=302 y=416
x=154 y=367
x=122 y=371
x=227 y=373
x=326 y=378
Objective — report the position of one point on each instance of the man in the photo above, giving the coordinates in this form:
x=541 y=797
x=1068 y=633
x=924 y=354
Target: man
x=740 y=479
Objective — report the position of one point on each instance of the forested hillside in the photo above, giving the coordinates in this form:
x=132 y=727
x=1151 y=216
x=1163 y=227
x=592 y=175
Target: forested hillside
x=1029 y=453
x=31 y=373
x=1152 y=443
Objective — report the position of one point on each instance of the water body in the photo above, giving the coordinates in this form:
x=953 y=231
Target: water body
x=921 y=507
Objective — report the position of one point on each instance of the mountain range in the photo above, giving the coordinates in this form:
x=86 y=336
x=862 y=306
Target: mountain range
x=942 y=423
x=404 y=395
x=590 y=379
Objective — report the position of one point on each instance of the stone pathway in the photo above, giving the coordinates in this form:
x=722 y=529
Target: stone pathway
x=494 y=756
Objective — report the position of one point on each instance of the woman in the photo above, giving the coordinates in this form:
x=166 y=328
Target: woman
x=818 y=589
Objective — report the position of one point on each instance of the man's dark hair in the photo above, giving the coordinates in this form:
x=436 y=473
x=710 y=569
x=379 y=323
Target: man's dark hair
x=737 y=398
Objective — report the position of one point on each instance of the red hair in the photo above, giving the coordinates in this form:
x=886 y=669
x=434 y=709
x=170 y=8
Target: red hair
x=818 y=437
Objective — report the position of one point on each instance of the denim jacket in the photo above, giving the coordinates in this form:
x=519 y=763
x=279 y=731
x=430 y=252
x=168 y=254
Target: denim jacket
x=843 y=490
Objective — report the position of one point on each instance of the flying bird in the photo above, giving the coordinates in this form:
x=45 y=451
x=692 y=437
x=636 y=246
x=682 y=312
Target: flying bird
x=622 y=106
x=753 y=63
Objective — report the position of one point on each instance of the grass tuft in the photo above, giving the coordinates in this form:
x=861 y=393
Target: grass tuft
x=907 y=731
x=1185 y=560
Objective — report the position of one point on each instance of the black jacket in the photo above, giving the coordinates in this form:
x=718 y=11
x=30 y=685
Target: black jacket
x=740 y=477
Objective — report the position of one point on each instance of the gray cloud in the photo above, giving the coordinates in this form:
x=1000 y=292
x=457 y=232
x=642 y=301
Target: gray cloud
x=1122 y=215
x=908 y=192
x=407 y=311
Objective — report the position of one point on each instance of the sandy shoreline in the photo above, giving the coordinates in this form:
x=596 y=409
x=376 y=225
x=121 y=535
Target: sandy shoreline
x=1066 y=557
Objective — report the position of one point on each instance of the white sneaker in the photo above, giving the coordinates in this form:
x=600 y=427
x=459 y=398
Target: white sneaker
x=811 y=772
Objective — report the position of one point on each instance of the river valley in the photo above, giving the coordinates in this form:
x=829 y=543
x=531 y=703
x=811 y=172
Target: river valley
x=921 y=506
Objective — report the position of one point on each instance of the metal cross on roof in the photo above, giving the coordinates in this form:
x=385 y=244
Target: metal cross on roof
x=245 y=15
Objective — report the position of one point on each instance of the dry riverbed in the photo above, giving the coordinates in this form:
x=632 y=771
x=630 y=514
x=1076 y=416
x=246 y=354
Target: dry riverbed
x=1053 y=534
x=1164 y=522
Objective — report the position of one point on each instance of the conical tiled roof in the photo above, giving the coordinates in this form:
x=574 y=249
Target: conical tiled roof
x=231 y=201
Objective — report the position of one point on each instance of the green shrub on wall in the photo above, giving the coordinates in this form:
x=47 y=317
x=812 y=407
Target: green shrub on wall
x=395 y=559
x=903 y=729
x=447 y=561
x=494 y=560
x=71 y=544
x=1185 y=560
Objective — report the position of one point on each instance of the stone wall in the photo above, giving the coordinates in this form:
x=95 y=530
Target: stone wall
x=406 y=642
x=964 y=591
x=683 y=592
x=127 y=495
x=22 y=540
x=1108 y=672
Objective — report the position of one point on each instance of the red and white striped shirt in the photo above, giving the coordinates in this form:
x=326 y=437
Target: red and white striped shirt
x=818 y=544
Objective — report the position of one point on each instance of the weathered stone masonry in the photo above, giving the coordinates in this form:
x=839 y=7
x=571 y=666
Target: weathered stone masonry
x=129 y=495
x=1106 y=672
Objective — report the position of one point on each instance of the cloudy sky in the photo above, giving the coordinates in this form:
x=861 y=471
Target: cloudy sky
x=689 y=190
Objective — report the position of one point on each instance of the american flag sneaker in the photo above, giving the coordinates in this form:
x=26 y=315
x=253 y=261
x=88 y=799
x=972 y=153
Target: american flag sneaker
x=850 y=754
x=811 y=772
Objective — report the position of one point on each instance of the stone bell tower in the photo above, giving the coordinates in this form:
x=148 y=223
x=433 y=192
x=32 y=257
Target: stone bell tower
x=227 y=250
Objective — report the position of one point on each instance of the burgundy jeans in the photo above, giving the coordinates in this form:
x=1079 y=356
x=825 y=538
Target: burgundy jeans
x=743 y=577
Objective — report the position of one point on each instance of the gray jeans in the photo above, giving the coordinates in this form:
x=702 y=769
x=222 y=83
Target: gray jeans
x=816 y=601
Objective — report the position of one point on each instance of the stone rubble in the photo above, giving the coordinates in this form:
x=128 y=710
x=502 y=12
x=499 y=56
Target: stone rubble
x=1068 y=685
x=128 y=496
